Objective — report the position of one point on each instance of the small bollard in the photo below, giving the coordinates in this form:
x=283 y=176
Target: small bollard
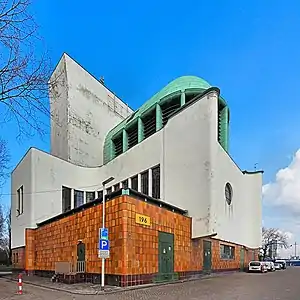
x=20 y=285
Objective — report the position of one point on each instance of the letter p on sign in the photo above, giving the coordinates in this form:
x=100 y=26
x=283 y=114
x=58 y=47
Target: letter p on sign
x=103 y=245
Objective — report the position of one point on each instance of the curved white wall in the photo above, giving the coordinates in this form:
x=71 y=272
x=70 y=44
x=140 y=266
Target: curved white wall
x=239 y=222
x=194 y=171
x=43 y=176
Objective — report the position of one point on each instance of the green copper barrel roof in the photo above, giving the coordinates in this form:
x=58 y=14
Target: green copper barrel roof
x=183 y=83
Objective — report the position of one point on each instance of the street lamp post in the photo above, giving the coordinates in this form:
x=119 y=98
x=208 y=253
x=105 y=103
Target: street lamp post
x=103 y=224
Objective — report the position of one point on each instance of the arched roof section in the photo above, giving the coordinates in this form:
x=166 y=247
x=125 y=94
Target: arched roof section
x=181 y=84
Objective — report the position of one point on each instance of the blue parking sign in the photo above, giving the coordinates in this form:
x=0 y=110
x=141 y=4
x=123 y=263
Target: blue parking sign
x=104 y=245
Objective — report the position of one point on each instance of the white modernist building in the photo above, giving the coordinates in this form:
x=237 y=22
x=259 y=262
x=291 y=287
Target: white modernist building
x=173 y=148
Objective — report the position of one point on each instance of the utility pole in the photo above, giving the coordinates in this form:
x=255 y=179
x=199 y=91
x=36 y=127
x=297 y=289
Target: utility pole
x=295 y=245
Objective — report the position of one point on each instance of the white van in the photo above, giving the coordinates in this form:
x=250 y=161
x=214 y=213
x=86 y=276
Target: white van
x=282 y=263
x=257 y=266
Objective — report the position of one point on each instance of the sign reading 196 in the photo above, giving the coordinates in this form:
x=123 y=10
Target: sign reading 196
x=143 y=220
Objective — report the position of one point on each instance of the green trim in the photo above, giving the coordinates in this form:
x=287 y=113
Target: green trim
x=125 y=140
x=125 y=192
x=223 y=125
x=158 y=117
x=182 y=98
x=140 y=130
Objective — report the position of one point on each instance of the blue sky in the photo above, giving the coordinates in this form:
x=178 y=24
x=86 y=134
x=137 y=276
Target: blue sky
x=249 y=49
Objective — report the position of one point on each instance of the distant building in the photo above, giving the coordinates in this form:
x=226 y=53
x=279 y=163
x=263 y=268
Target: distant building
x=173 y=153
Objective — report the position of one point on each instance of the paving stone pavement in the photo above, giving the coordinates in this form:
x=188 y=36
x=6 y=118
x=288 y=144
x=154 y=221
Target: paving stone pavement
x=279 y=285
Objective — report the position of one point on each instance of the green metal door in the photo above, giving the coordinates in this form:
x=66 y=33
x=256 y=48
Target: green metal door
x=165 y=256
x=242 y=259
x=81 y=252
x=206 y=256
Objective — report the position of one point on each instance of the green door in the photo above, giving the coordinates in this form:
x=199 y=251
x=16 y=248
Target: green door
x=242 y=259
x=165 y=256
x=206 y=256
x=81 y=252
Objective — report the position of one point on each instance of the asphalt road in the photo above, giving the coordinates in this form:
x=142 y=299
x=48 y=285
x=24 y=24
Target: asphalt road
x=276 y=286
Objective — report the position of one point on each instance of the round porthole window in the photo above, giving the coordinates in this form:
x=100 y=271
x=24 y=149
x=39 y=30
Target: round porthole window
x=228 y=193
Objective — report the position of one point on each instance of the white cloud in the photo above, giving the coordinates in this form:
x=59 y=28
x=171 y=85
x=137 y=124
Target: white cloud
x=281 y=199
x=284 y=192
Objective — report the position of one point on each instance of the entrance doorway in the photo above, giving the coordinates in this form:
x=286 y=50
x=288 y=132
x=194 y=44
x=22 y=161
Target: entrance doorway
x=80 y=265
x=207 y=257
x=242 y=259
x=165 y=256
x=81 y=252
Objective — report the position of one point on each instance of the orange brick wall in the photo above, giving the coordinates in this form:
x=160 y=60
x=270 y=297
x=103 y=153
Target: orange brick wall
x=18 y=258
x=30 y=249
x=142 y=241
x=221 y=264
x=58 y=241
x=134 y=247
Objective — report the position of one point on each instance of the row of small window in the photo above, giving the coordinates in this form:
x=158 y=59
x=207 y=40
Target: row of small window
x=81 y=197
x=150 y=122
x=227 y=252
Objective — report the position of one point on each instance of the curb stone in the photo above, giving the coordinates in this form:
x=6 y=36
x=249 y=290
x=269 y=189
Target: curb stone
x=120 y=289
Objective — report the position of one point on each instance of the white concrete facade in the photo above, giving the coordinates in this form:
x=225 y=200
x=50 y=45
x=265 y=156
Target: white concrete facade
x=194 y=168
x=83 y=111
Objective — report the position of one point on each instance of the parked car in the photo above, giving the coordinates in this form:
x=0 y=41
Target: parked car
x=270 y=266
x=277 y=266
x=282 y=263
x=257 y=266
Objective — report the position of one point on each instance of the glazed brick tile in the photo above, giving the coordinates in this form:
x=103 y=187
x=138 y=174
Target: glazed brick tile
x=134 y=247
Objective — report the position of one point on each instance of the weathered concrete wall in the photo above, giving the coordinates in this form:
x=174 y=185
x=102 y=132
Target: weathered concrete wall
x=58 y=94
x=85 y=111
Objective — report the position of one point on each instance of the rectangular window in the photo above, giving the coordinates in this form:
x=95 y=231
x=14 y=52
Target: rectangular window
x=66 y=199
x=156 y=182
x=78 y=198
x=109 y=190
x=145 y=182
x=17 y=257
x=90 y=196
x=132 y=133
x=125 y=184
x=117 y=187
x=20 y=201
x=134 y=182
x=226 y=252
x=100 y=195
x=118 y=145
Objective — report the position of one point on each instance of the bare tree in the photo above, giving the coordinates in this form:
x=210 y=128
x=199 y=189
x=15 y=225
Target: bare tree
x=4 y=160
x=24 y=75
x=271 y=236
x=4 y=235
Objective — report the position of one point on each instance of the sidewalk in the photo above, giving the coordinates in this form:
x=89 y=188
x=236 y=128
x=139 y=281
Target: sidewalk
x=94 y=289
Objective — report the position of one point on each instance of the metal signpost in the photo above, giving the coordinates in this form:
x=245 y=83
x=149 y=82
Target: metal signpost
x=103 y=251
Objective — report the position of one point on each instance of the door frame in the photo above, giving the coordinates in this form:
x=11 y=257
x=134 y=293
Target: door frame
x=80 y=244
x=166 y=238
x=242 y=259
x=207 y=251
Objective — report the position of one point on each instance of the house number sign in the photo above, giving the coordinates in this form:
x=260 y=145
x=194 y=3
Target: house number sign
x=143 y=220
